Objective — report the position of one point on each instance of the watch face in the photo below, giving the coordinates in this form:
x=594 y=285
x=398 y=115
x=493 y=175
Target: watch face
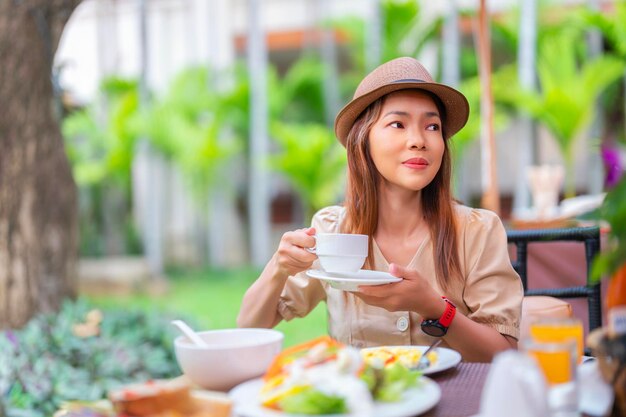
x=433 y=328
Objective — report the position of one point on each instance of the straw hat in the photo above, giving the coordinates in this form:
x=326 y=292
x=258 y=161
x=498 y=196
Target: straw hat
x=401 y=74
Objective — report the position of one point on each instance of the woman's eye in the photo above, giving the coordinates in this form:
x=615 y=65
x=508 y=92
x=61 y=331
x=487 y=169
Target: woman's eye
x=433 y=127
x=396 y=125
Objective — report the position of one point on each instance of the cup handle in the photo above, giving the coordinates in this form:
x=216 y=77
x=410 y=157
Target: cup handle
x=314 y=248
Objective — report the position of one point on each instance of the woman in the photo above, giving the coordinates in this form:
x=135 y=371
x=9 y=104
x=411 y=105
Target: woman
x=457 y=280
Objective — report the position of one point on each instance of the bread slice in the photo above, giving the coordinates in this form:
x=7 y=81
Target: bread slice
x=211 y=404
x=152 y=397
x=169 y=398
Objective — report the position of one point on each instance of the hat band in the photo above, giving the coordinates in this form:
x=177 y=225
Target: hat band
x=409 y=80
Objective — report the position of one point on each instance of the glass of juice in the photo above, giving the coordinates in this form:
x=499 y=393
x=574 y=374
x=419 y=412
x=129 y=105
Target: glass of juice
x=559 y=330
x=557 y=362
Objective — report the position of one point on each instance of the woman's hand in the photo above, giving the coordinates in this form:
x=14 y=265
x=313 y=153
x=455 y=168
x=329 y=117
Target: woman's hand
x=259 y=307
x=291 y=257
x=413 y=293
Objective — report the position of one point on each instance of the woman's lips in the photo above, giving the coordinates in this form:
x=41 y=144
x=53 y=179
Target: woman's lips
x=416 y=163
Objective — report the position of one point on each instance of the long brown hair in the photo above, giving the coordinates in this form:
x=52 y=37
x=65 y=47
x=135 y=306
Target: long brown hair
x=362 y=197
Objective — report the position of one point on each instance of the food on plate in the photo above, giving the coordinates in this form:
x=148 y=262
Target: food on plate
x=169 y=398
x=150 y=397
x=100 y=408
x=389 y=355
x=323 y=376
x=211 y=404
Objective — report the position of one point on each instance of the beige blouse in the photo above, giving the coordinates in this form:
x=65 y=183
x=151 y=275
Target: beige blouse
x=491 y=292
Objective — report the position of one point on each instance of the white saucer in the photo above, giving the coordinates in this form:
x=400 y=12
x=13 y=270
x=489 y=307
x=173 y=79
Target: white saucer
x=350 y=281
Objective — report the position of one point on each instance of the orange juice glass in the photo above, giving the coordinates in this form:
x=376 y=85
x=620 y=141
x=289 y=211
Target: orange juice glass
x=556 y=359
x=559 y=330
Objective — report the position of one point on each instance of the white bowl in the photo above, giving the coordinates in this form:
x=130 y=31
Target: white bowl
x=232 y=356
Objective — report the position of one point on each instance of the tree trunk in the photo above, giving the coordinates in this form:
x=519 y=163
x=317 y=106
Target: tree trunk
x=38 y=203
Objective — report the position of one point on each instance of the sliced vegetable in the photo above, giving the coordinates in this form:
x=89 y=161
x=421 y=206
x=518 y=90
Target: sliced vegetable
x=313 y=401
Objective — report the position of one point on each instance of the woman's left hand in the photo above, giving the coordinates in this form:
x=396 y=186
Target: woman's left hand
x=413 y=293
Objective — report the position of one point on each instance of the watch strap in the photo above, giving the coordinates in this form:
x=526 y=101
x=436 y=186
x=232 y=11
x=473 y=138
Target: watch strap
x=449 y=313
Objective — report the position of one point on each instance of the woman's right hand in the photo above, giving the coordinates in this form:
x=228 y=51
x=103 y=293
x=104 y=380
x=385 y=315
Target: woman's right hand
x=292 y=255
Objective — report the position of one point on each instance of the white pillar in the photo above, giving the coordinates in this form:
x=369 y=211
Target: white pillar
x=258 y=184
x=595 y=169
x=148 y=169
x=225 y=233
x=373 y=35
x=451 y=75
x=527 y=62
x=329 y=58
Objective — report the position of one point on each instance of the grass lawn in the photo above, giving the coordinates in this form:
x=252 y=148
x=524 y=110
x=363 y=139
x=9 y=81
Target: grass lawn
x=210 y=299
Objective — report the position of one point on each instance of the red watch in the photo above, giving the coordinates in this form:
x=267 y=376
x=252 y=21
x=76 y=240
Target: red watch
x=439 y=327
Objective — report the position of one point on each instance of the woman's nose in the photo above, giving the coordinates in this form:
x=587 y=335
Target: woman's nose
x=416 y=140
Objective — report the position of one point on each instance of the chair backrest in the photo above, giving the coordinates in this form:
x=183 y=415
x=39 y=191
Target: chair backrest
x=590 y=236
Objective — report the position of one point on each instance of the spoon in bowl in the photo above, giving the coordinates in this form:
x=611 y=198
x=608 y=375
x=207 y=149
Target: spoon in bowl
x=190 y=333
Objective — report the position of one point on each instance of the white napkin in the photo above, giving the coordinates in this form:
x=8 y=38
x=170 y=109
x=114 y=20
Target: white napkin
x=596 y=396
x=515 y=387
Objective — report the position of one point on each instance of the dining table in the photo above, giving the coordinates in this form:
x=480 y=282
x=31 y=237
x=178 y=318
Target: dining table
x=461 y=388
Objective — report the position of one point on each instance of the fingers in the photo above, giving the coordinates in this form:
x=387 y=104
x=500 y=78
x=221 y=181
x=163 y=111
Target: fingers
x=383 y=296
x=303 y=238
x=291 y=255
x=374 y=291
x=402 y=272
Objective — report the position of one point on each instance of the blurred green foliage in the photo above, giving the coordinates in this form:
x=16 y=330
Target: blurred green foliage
x=100 y=141
x=212 y=297
x=189 y=125
x=201 y=122
x=312 y=160
x=613 y=210
x=46 y=363
x=570 y=84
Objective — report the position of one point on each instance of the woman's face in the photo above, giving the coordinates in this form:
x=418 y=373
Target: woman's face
x=406 y=142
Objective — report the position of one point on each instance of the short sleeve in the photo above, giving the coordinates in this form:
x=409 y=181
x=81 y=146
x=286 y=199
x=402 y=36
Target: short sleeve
x=493 y=290
x=302 y=294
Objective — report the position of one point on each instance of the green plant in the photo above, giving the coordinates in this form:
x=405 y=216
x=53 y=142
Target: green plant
x=569 y=87
x=312 y=160
x=613 y=211
x=403 y=32
x=186 y=125
x=302 y=92
x=613 y=29
x=48 y=362
x=100 y=142
x=611 y=25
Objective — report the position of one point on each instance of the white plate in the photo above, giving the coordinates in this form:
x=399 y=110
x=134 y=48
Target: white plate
x=446 y=358
x=350 y=281
x=414 y=401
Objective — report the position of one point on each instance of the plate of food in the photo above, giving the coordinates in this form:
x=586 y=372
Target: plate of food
x=440 y=359
x=323 y=377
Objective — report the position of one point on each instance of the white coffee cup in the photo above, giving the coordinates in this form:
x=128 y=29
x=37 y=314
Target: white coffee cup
x=341 y=252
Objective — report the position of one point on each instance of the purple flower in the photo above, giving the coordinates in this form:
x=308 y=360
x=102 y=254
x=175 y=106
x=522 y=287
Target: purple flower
x=12 y=337
x=612 y=165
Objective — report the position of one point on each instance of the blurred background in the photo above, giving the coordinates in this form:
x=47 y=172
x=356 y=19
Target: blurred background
x=200 y=131
x=186 y=136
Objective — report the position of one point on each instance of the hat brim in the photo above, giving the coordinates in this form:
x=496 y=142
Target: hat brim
x=454 y=102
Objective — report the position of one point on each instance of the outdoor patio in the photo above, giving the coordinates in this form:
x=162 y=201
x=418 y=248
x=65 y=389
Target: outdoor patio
x=156 y=151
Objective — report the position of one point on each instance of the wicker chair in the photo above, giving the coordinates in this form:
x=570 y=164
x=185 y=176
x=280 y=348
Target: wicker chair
x=589 y=236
